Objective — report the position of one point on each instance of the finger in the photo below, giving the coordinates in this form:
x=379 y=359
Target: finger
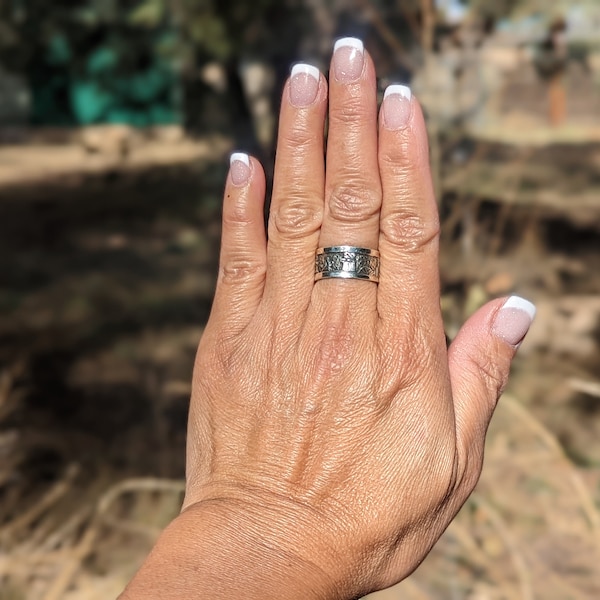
x=297 y=207
x=479 y=361
x=353 y=186
x=243 y=258
x=409 y=224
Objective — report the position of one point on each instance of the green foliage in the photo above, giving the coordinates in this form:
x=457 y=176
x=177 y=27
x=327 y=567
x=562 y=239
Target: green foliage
x=209 y=28
x=210 y=34
x=90 y=101
x=114 y=44
x=59 y=50
x=102 y=60
x=149 y=13
x=93 y=61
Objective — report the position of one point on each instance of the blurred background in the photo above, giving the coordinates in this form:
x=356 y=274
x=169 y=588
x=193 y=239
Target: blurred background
x=116 y=120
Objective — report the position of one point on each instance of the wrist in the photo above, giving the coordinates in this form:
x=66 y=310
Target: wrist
x=219 y=550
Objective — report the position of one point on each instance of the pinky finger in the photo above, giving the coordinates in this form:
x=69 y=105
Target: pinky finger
x=243 y=259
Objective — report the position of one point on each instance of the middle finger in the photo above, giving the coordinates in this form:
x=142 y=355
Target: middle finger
x=352 y=182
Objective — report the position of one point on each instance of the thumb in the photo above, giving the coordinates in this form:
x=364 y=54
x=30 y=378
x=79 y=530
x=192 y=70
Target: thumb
x=479 y=361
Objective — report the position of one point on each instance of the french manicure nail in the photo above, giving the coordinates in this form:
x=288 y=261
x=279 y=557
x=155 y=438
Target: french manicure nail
x=239 y=168
x=397 y=106
x=348 y=59
x=304 y=85
x=513 y=320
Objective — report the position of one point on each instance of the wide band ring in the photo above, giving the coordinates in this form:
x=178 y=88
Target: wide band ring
x=347 y=262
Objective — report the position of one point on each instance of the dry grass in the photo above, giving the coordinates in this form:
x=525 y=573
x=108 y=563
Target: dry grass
x=59 y=540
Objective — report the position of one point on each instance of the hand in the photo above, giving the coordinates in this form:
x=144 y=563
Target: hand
x=332 y=436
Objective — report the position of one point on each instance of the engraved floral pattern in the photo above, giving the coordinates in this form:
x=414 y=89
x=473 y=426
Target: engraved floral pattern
x=362 y=266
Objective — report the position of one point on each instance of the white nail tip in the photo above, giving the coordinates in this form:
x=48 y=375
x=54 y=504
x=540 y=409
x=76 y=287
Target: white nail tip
x=349 y=42
x=241 y=157
x=304 y=69
x=521 y=304
x=400 y=90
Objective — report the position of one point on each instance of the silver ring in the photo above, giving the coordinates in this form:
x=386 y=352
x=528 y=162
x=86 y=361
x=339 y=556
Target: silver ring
x=347 y=262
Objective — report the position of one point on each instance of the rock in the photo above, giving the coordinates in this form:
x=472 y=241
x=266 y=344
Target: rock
x=109 y=140
x=500 y=284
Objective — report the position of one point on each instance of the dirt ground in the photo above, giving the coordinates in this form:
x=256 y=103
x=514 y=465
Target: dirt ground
x=106 y=279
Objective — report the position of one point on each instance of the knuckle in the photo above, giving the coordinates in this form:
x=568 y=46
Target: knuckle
x=397 y=160
x=468 y=470
x=354 y=203
x=221 y=363
x=445 y=469
x=352 y=114
x=226 y=359
x=472 y=470
x=409 y=231
x=492 y=375
x=297 y=218
x=300 y=139
x=236 y=216
x=237 y=270
x=336 y=348
x=331 y=351
x=219 y=355
x=408 y=357
x=208 y=361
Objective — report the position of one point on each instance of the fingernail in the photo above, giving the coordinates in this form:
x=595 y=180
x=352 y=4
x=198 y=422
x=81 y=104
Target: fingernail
x=397 y=106
x=348 y=59
x=514 y=320
x=239 y=168
x=304 y=85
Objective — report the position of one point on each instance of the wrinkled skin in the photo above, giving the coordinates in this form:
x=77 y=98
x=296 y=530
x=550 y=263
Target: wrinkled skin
x=332 y=434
